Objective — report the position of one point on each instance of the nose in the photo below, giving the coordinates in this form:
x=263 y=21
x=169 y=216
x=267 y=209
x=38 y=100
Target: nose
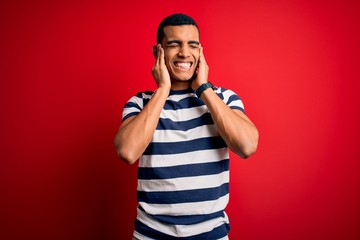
x=184 y=51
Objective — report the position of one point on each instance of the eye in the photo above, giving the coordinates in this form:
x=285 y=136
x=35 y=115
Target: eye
x=173 y=45
x=194 y=46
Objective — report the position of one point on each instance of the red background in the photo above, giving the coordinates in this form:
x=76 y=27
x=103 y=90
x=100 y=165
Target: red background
x=67 y=68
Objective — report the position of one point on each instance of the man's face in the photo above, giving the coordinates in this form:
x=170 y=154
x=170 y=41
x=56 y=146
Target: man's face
x=181 y=46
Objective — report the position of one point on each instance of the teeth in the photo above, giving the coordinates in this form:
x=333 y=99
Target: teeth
x=183 y=64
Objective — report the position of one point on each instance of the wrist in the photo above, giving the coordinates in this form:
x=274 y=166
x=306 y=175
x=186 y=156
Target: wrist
x=163 y=91
x=202 y=88
x=195 y=84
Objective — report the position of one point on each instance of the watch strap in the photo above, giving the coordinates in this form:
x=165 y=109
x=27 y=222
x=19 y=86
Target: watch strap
x=202 y=88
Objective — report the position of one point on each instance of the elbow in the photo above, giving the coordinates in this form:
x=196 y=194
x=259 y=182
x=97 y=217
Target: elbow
x=125 y=155
x=248 y=149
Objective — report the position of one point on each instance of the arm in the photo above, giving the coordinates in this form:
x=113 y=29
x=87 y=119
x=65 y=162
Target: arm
x=239 y=133
x=136 y=132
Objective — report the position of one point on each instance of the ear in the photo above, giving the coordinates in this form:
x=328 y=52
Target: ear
x=154 y=51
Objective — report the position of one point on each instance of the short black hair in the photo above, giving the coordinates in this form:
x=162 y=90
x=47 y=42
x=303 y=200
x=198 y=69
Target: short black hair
x=177 y=19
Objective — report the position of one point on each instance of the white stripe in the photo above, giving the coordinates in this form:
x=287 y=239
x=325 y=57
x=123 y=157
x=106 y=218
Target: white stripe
x=142 y=237
x=179 y=136
x=147 y=96
x=137 y=100
x=203 y=156
x=217 y=89
x=139 y=236
x=184 y=113
x=193 y=208
x=181 y=230
x=237 y=103
x=127 y=111
x=227 y=94
x=184 y=183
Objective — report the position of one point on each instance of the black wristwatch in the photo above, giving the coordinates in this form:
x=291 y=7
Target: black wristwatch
x=202 y=88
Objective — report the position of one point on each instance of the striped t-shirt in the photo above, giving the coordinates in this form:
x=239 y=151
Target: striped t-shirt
x=183 y=175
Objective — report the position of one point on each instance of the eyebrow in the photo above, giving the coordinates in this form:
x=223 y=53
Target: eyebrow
x=179 y=42
x=194 y=42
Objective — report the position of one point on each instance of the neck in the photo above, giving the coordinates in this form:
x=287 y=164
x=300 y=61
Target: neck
x=180 y=85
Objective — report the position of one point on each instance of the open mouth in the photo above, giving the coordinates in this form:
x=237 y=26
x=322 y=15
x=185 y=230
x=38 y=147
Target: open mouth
x=183 y=65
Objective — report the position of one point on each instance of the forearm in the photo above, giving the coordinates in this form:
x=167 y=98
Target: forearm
x=239 y=133
x=135 y=135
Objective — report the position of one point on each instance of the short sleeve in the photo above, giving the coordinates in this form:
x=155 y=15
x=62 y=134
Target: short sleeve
x=135 y=104
x=231 y=99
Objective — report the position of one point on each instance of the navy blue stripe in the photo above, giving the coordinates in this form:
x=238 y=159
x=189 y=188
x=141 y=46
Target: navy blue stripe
x=232 y=98
x=238 y=108
x=179 y=92
x=185 y=196
x=187 y=219
x=188 y=102
x=168 y=124
x=222 y=89
x=217 y=233
x=145 y=101
x=132 y=105
x=139 y=94
x=220 y=94
x=148 y=95
x=162 y=148
x=188 y=170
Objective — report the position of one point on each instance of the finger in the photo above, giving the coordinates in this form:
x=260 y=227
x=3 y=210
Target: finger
x=162 y=55
x=202 y=58
x=154 y=51
x=158 y=52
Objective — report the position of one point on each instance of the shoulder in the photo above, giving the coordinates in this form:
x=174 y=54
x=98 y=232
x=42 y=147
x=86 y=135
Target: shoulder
x=139 y=100
x=141 y=97
x=224 y=92
x=144 y=95
x=230 y=98
x=135 y=104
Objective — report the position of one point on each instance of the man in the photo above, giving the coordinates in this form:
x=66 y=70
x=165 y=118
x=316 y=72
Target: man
x=181 y=133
